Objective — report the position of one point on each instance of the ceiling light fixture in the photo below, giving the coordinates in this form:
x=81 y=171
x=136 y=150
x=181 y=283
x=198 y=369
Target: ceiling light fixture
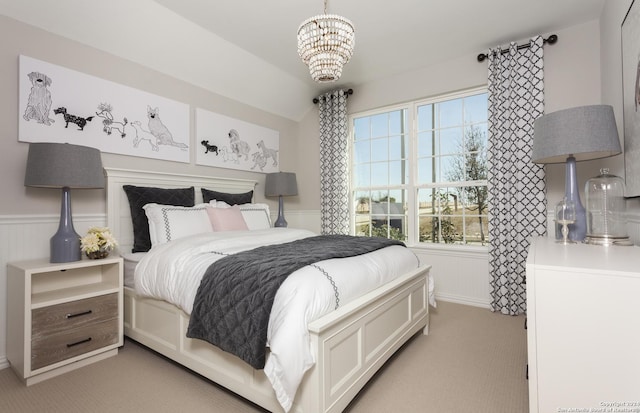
x=325 y=44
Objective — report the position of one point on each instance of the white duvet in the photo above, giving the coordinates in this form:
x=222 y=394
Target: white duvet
x=172 y=272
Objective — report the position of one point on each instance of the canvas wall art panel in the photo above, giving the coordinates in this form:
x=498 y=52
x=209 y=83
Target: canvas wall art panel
x=631 y=96
x=226 y=142
x=57 y=104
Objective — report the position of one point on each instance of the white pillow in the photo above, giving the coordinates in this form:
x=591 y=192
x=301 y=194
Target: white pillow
x=169 y=222
x=256 y=216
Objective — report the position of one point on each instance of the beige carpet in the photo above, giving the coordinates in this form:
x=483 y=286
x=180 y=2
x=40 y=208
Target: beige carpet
x=472 y=361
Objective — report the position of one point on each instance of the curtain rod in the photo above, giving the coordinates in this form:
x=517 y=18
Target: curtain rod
x=551 y=40
x=346 y=92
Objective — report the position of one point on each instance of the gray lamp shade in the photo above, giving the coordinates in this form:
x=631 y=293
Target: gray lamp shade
x=66 y=166
x=60 y=165
x=281 y=184
x=586 y=132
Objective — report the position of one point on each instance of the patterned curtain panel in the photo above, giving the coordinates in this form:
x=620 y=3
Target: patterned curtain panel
x=517 y=203
x=334 y=163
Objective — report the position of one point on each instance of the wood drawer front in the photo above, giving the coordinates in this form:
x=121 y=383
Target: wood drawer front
x=58 y=347
x=60 y=318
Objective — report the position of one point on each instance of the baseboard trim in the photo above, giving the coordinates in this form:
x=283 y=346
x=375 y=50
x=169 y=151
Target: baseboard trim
x=4 y=363
x=470 y=301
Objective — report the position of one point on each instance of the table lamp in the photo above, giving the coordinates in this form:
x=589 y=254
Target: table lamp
x=571 y=135
x=66 y=166
x=280 y=184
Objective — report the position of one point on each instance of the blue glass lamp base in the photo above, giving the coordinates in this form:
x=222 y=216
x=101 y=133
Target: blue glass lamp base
x=65 y=244
x=280 y=222
x=577 y=230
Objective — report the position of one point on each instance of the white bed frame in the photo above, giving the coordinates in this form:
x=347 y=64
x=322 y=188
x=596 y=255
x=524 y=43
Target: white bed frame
x=349 y=344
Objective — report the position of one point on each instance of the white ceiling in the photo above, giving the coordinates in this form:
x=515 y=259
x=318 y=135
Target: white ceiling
x=247 y=48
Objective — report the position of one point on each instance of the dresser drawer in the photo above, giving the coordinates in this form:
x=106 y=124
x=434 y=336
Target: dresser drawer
x=58 y=347
x=60 y=318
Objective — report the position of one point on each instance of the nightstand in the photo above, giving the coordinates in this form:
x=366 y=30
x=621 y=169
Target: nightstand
x=62 y=316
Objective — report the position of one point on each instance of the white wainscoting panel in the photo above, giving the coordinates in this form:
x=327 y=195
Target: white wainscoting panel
x=27 y=237
x=460 y=276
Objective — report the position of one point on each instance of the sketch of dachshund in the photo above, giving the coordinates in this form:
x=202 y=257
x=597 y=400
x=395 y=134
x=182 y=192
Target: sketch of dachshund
x=108 y=123
x=69 y=118
x=268 y=153
x=39 y=102
x=258 y=160
x=240 y=148
x=161 y=132
x=143 y=135
x=209 y=148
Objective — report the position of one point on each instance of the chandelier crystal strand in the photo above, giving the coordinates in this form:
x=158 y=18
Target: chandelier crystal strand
x=325 y=44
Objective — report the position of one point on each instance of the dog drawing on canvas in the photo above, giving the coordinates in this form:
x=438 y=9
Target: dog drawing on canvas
x=240 y=148
x=162 y=134
x=69 y=118
x=268 y=153
x=39 y=102
x=208 y=147
x=258 y=160
x=143 y=135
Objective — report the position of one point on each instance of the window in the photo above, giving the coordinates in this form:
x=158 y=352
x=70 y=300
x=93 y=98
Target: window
x=419 y=171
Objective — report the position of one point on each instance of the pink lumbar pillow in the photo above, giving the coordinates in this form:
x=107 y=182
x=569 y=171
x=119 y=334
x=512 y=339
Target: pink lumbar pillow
x=227 y=219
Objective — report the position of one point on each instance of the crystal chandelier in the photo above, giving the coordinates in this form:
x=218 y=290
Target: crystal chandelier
x=325 y=44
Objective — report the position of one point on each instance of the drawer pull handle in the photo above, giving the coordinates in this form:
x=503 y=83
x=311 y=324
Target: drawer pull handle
x=78 y=314
x=86 y=340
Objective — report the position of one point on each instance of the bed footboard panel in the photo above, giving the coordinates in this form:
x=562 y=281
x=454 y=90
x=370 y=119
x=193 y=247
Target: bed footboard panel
x=353 y=346
x=350 y=344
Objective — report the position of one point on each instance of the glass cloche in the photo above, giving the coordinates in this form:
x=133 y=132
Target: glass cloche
x=605 y=204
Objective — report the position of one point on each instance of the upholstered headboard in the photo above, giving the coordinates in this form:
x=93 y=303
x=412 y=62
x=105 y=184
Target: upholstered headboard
x=119 y=213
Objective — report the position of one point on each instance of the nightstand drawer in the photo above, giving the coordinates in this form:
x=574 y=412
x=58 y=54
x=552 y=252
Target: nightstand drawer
x=61 y=318
x=58 y=347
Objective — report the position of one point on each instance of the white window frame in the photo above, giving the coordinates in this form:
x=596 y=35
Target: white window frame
x=411 y=186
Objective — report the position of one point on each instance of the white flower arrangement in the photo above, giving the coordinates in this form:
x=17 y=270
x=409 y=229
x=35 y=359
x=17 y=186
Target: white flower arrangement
x=98 y=239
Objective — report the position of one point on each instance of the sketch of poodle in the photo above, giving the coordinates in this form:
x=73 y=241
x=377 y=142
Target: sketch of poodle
x=157 y=129
x=240 y=148
x=108 y=124
x=227 y=155
x=268 y=153
x=143 y=135
x=39 y=102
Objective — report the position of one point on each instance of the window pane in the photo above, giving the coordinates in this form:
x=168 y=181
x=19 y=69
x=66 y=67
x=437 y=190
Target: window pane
x=380 y=149
x=425 y=117
x=476 y=230
x=449 y=113
x=361 y=128
x=379 y=125
x=362 y=152
x=427 y=170
x=475 y=109
x=448 y=165
x=396 y=122
x=362 y=176
x=427 y=145
x=380 y=174
x=398 y=173
x=397 y=148
x=451 y=141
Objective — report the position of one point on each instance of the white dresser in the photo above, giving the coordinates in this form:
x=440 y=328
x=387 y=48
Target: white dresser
x=583 y=312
